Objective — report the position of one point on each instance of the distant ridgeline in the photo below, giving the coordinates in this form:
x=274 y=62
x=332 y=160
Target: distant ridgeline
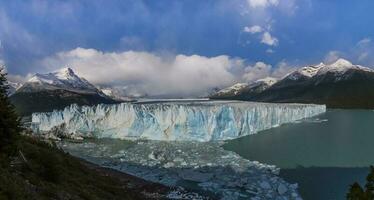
x=45 y=92
x=338 y=85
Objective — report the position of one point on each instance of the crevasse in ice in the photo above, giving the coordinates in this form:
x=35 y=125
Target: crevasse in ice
x=197 y=121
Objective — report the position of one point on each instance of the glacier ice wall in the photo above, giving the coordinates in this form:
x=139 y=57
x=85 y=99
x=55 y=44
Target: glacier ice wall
x=198 y=121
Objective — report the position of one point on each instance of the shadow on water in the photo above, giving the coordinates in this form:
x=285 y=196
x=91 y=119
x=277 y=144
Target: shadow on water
x=324 y=183
x=334 y=149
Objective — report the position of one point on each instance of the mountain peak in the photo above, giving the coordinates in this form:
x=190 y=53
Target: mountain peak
x=66 y=73
x=66 y=70
x=341 y=62
x=64 y=78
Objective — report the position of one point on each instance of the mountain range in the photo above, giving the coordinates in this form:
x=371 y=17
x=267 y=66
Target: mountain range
x=45 y=92
x=338 y=85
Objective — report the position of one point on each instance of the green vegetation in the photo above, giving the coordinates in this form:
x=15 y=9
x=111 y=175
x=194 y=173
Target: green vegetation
x=33 y=169
x=9 y=121
x=356 y=192
x=48 y=173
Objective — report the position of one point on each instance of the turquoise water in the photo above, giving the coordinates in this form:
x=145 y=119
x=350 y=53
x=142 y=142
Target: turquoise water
x=324 y=154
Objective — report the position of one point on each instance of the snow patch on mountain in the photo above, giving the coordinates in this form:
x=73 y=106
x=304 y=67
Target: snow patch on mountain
x=340 y=67
x=239 y=87
x=13 y=86
x=63 y=79
x=115 y=94
x=267 y=81
x=235 y=89
x=304 y=72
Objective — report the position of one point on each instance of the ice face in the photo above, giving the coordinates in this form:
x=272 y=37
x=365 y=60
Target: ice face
x=170 y=121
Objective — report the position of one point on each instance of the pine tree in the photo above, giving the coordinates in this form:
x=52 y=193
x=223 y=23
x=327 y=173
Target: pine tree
x=356 y=192
x=369 y=193
x=9 y=121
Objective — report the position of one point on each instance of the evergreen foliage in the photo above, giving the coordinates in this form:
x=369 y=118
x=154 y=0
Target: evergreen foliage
x=9 y=121
x=356 y=192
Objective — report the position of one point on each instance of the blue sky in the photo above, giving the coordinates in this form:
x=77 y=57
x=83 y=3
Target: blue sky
x=277 y=33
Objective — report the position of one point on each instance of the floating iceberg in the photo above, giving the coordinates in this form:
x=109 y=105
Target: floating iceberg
x=171 y=121
x=202 y=166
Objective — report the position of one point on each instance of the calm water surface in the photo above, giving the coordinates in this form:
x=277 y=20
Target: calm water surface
x=324 y=154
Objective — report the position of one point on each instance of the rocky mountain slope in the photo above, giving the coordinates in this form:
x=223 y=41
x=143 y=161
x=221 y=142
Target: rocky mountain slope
x=45 y=92
x=242 y=90
x=338 y=85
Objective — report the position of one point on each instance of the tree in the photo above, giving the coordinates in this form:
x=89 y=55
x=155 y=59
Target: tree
x=356 y=192
x=9 y=121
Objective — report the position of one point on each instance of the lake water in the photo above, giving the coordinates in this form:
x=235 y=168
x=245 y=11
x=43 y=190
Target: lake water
x=324 y=154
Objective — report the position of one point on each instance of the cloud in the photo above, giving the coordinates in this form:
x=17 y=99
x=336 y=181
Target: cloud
x=332 y=56
x=139 y=72
x=265 y=13
x=283 y=68
x=150 y=73
x=257 y=71
x=268 y=39
x=253 y=29
x=363 y=51
x=262 y=3
x=364 y=42
x=270 y=51
x=12 y=77
x=363 y=56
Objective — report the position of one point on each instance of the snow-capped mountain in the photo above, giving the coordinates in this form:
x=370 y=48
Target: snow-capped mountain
x=268 y=81
x=340 y=67
x=246 y=88
x=116 y=94
x=13 y=86
x=235 y=89
x=56 y=90
x=64 y=79
x=304 y=72
x=339 y=85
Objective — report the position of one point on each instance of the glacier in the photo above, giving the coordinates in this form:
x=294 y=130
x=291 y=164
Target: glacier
x=171 y=121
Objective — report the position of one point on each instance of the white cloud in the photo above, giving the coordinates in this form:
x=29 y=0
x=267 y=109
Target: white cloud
x=283 y=68
x=363 y=51
x=363 y=56
x=364 y=42
x=150 y=73
x=268 y=39
x=253 y=29
x=257 y=71
x=270 y=51
x=262 y=3
x=154 y=74
x=332 y=56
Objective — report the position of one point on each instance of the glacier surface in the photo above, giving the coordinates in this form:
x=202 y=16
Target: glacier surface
x=171 y=121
